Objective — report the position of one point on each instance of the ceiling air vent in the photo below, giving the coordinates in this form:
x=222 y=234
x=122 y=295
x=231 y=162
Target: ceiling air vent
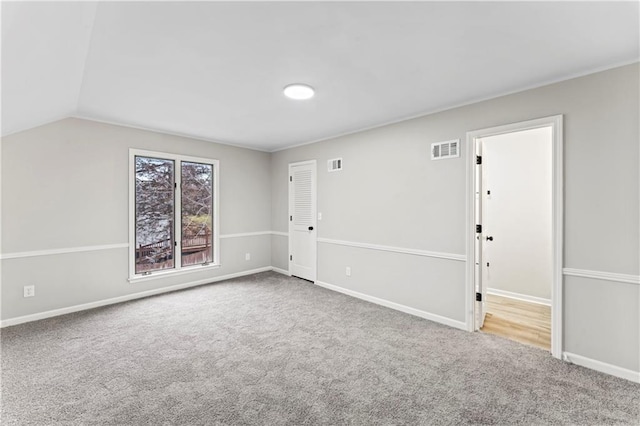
x=334 y=165
x=448 y=149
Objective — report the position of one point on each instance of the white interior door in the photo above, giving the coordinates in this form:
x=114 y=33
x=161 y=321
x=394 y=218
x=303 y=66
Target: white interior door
x=480 y=286
x=302 y=220
x=543 y=228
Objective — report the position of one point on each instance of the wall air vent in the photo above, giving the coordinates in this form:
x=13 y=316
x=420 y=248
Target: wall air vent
x=448 y=149
x=334 y=165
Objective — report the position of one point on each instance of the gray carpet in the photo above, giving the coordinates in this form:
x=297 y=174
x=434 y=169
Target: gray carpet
x=268 y=349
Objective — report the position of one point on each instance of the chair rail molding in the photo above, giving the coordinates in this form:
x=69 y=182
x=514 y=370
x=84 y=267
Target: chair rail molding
x=379 y=247
x=600 y=275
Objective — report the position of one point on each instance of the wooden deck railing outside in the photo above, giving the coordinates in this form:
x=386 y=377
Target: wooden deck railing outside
x=163 y=250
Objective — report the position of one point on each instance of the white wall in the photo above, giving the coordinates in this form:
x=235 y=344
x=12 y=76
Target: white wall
x=390 y=193
x=65 y=186
x=516 y=169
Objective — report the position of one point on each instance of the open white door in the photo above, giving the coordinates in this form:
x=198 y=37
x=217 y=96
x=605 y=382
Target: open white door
x=302 y=220
x=480 y=283
x=481 y=204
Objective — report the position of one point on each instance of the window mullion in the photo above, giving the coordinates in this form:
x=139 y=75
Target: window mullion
x=177 y=197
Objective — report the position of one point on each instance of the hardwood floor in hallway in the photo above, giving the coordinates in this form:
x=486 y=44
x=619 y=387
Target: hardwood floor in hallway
x=524 y=322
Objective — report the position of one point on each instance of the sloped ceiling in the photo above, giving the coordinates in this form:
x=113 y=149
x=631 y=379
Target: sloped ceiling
x=216 y=70
x=44 y=50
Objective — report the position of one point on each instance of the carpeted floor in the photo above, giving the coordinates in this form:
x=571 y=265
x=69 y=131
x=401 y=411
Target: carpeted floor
x=270 y=350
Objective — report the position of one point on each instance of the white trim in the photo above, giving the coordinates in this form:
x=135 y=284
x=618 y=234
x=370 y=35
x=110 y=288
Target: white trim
x=602 y=367
x=599 y=275
x=280 y=271
x=463 y=104
x=557 y=206
x=302 y=163
x=416 y=252
x=555 y=122
x=166 y=273
x=50 y=252
x=519 y=296
x=245 y=234
x=396 y=306
x=120 y=299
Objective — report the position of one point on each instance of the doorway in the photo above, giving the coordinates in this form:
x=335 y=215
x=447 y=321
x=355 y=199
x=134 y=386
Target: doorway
x=302 y=220
x=515 y=239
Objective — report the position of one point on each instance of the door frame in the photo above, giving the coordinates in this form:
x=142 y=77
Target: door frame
x=315 y=214
x=555 y=122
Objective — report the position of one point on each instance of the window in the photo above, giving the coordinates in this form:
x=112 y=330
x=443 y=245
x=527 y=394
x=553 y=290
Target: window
x=173 y=218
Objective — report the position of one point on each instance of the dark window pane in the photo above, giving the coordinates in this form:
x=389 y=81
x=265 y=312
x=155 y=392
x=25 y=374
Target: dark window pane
x=154 y=214
x=197 y=213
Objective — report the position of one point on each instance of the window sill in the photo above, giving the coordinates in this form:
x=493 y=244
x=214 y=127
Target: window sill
x=171 y=273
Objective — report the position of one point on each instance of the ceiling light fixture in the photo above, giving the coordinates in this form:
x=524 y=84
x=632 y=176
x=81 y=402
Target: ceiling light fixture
x=299 y=91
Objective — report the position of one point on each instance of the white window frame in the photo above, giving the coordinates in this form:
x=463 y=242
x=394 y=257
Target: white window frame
x=178 y=269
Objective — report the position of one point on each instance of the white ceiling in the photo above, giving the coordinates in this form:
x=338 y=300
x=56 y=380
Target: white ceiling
x=44 y=47
x=216 y=71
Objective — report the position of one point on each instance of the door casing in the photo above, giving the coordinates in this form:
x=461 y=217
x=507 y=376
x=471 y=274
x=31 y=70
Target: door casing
x=555 y=122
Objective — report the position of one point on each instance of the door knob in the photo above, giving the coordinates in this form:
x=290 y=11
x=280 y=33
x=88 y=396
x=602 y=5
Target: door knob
x=489 y=238
x=311 y=228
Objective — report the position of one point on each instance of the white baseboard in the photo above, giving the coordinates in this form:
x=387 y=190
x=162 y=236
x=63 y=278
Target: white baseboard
x=602 y=367
x=398 y=307
x=120 y=299
x=518 y=296
x=280 y=271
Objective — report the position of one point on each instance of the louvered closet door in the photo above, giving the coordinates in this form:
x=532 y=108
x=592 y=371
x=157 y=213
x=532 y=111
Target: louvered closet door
x=302 y=220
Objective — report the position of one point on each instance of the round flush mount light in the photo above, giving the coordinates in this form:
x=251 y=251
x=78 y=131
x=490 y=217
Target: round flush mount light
x=299 y=91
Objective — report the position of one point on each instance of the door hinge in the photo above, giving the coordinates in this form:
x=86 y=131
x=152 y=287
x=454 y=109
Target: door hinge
x=478 y=159
x=290 y=218
x=478 y=229
x=478 y=297
x=290 y=178
x=175 y=185
x=290 y=257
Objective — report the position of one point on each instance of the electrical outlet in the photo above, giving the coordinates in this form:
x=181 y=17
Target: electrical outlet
x=348 y=271
x=29 y=290
x=247 y=256
x=319 y=216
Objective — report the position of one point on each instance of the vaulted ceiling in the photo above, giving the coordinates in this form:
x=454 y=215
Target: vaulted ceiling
x=216 y=70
